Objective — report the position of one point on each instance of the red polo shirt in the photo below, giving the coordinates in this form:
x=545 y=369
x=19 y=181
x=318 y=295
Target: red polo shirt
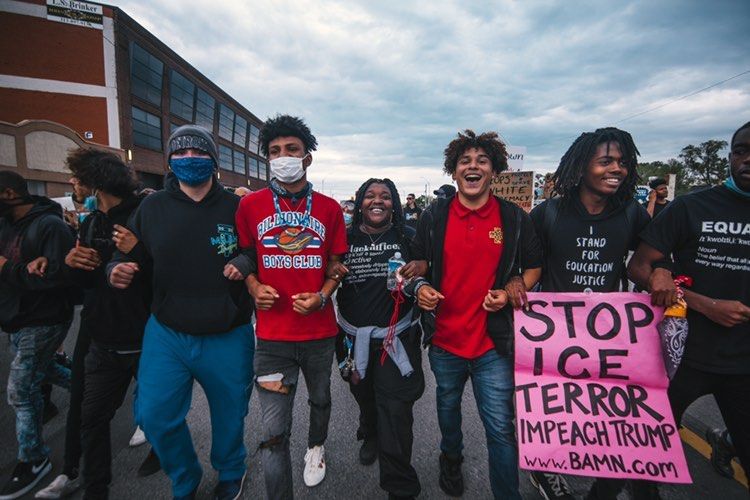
x=473 y=246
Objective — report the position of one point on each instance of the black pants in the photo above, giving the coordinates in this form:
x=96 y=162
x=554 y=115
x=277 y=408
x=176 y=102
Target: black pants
x=732 y=394
x=73 y=422
x=108 y=377
x=386 y=401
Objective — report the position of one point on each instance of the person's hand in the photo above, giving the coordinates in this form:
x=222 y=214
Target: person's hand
x=336 y=270
x=727 y=313
x=495 y=300
x=37 y=267
x=231 y=273
x=515 y=289
x=305 y=303
x=662 y=287
x=413 y=269
x=71 y=217
x=83 y=258
x=264 y=296
x=122 y=274
x=651 y=196
x=124 y=239
x=428 y=298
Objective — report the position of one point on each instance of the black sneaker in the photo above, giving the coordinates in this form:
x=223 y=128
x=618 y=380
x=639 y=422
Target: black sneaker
x=551 y=486
x=150 y=465
x=230 y=490
x=62 y=359
x=368 y=453
x=451 y=480
x=721 y=452
x=25 y=476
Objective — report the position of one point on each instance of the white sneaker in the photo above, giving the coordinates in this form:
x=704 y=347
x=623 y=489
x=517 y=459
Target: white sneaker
x=315 y=465
x=61 y=487
x=138 y=438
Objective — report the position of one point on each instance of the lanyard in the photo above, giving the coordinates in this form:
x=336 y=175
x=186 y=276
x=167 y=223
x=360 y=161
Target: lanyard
x=305 y=220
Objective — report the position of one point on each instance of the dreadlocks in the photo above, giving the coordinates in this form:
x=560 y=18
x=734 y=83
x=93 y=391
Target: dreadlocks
x=575 y=161
x=488 y=141
x=398 y=211
x=286 y=126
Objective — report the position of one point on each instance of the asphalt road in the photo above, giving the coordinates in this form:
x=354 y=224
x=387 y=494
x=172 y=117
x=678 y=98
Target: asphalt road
x=346 y=478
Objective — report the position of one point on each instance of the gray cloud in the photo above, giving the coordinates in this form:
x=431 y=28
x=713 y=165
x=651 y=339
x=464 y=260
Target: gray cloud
x=386 y=85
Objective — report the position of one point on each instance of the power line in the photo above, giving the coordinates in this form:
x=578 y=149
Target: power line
x=640 y=113
x=683 y=97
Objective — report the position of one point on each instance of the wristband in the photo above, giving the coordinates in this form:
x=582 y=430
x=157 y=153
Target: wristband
x=323 y=299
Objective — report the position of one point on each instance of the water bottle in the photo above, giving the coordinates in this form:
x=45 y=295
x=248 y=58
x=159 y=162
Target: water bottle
x=394 y=264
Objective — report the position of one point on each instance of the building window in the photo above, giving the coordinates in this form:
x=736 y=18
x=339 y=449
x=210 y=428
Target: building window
x=226 y=122
x=172 y=127
x=252 y=168
x=253 y=140
x=145 y=75
x=240 y=131
x=146 y=129
x=37 y=188
x=225 y=157
x=239 y=162
x=181 y=94
x=266 y=173
x=204 y=110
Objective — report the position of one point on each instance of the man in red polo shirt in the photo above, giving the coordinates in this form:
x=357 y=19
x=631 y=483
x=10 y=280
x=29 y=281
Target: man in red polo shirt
x=475 y=244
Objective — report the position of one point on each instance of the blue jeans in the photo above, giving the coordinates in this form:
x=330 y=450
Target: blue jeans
x=223 y=366
x=492 y=381
x=33 y=349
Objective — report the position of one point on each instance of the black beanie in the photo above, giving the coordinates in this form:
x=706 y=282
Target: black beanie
x=195 y=137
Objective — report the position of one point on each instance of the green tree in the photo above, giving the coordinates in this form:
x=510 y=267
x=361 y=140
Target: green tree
x=703 y=165
x=662 y=169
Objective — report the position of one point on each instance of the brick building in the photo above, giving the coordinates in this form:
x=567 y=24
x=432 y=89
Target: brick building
x=93 y=69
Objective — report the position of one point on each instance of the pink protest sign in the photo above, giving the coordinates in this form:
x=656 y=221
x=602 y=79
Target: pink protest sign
x=591 y=388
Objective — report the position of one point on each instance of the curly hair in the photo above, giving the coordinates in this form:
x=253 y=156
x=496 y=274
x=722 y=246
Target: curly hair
x=102 y=171
x=286 y=126
x=575 y=161
x=398 y=210
x=488 y=141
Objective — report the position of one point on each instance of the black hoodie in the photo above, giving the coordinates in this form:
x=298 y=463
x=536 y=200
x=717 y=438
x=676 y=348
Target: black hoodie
x=27 y=300
x=189 y=243
x=115 y=318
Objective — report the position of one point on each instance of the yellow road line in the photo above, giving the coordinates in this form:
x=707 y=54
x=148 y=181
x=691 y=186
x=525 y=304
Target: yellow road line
x=702 y=447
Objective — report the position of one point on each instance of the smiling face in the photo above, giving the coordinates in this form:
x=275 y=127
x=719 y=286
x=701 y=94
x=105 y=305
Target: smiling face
x=739 y=159
x=606 y=171
x=662 y=191
x=377 y=205
x=473 y=174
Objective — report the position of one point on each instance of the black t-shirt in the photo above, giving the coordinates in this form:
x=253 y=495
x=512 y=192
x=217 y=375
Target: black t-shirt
x=363 y=298
x=411 y=216
x=585 y=252
x=708 y=235
x=658 y=207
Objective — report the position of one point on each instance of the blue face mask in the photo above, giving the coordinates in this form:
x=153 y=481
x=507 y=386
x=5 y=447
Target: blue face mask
x=348 y=218
x=729 y=183
x=192 y=170
x=90 y=203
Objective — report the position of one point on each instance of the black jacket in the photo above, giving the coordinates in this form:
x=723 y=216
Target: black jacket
x=189 y=243
x=27 y=300
x=114 y=318
x=522 y=250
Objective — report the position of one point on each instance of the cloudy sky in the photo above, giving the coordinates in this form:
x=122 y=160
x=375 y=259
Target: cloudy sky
x=385 y=85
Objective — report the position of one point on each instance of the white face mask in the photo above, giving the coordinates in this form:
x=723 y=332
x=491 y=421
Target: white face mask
x=287 y=169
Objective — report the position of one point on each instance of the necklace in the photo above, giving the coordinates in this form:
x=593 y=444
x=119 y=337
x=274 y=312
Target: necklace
x=289 y=205
x=374 y=241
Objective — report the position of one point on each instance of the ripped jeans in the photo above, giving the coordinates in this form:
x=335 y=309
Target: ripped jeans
x=33 y=348
x=314 y=358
